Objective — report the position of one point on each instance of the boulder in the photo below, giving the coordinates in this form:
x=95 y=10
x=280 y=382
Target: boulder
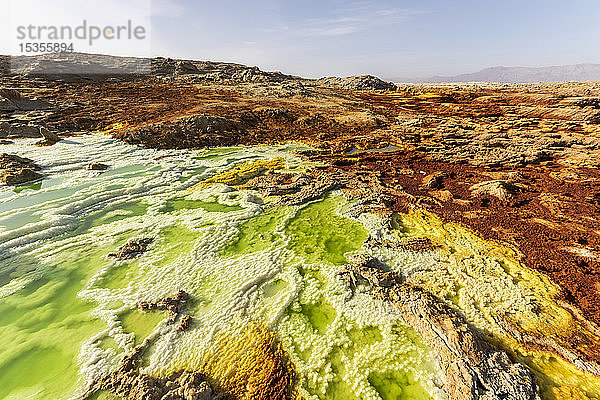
x=434 y=180
x=502 y=190
x=15 y=170
x=18 y=176
x=15 y=131
x=132 y=249
x=50 y=137
x=96 y=166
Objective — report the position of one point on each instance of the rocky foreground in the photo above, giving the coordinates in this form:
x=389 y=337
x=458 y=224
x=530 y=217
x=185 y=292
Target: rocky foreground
x=515 y=163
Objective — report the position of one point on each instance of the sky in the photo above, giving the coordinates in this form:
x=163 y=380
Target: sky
x=393 y=39
x=402 y=38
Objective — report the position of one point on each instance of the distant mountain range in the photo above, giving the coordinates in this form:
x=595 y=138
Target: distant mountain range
x=578 y=72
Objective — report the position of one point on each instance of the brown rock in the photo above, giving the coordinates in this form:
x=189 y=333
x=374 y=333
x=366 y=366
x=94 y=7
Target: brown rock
x=502 y=190
x=474 y=368
x=173 y=305
x=132 y=249
x=434 y=180
x=50 y=138
x=410 y=244
x=362 y=82
x=15 y=170
x=96 y=166
x=17 y=177
x=12 y=100
x=16 y=130
x=442 y=195
x=129 y=383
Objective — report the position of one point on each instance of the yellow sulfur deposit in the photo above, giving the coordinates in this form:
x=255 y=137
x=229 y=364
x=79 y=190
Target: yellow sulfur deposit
x=114 y=127
x=242 y=173
x=249 y=364
x=429 y=95
x=511 y=303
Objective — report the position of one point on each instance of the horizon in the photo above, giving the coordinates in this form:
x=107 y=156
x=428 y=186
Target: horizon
x=427 y=79
x=390 y=39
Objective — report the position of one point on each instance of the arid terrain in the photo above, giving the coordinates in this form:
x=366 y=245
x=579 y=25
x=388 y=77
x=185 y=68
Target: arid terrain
x=516 y=165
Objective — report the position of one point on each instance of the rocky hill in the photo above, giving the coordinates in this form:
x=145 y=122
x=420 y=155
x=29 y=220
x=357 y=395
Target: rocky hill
x=80 y=66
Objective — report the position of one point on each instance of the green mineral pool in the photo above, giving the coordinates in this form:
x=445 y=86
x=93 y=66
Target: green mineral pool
x=68 y=312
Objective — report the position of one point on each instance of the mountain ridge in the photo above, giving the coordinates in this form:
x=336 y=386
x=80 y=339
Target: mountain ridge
x=504 y=74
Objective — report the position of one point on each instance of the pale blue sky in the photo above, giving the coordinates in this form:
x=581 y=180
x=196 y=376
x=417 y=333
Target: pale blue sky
x=402 y=38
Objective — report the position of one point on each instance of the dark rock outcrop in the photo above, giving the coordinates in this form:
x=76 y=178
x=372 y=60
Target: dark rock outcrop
x=128 y=383
x=362 y=82
x=50 y=137
x=173 y=305
x=132 y=249
x=410 y=244
x=188 y=132
x=12 y=100
x=15 y=170
x=17 y=130
x=96 y=166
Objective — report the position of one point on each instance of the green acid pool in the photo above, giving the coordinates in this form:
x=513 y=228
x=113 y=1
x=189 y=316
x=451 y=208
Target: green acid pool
x=68 y=312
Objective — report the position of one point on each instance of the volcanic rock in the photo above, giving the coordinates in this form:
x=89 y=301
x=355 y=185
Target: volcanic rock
x=502 y=190
x=14 y=130
x=15 y=170
x=362 y=82
x=50 y=138
x=132 y=249
x=96 y=166
x=474 y=368
x=194 y=131
x=173 y=305
x=128 y=383
x=186 y=67
x=410 y=244
x=12 y=100
x=435 y=180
